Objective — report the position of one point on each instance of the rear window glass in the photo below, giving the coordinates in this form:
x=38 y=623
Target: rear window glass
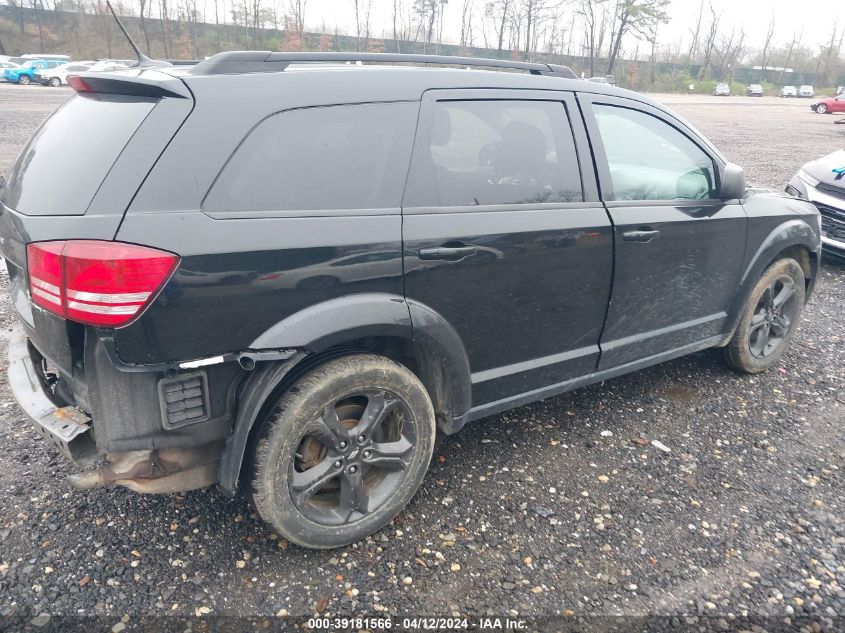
x=66 y=160
x=334 y=157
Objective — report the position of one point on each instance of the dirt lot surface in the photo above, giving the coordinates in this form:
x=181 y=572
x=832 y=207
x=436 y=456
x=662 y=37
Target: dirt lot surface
x=549 y=509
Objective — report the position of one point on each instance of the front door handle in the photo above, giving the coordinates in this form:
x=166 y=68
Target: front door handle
x=640 y=236
x=449 y=253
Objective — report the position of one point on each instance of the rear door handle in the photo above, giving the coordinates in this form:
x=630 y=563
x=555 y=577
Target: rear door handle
x=640 y=236
x=450 y=253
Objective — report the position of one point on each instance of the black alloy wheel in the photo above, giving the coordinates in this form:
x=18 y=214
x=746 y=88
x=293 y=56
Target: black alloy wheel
x=342 y=450
x=773 y=317
x=355 y=459
x=769 y=318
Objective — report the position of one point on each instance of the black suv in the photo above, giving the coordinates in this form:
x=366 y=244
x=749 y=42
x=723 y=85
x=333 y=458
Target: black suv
x=284 y=271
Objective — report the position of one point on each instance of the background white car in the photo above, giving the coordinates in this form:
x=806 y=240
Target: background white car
x=111 y=64
x=806 y=91
x=57 y=76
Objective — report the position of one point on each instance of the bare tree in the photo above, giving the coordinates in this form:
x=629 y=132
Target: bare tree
x=537 y=15
x=427 y=12
x=652 y=60
x=358 y=24
x=37 y=10
x=143 y=4
x=368 y=5
x=296 y=10
x=587 y=10
x=402 y=23
x=466 y=24
x=396 y=9
x=165 y=35
x=693 y=49
x=710 y=42
x=828 y=54
x=765 y=53
x=634 y=16
x=499 y=11
x=790 y=51
x=727 y=51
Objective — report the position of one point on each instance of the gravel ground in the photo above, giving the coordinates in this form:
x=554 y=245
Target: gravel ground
x=548 y=510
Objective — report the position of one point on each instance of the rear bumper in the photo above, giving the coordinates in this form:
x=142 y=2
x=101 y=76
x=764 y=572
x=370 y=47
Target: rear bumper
x=66 y=427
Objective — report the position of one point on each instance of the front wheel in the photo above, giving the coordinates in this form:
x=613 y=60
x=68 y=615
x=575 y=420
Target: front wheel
x=821 y=109
x=769 y=320
x=24 y=80
x=343 y=451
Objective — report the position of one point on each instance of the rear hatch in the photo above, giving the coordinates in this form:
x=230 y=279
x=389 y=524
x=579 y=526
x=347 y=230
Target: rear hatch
x=75 y=178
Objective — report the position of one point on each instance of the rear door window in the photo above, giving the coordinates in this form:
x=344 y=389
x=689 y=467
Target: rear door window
x=61 y=168
x=332 y=157
x=495 y=152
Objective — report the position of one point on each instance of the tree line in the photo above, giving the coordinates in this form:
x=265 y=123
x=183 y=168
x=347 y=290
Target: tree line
x=627 y=38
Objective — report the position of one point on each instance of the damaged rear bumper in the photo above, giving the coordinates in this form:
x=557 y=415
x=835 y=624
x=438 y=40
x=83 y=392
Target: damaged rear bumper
x=68 y=428
x=71 y=430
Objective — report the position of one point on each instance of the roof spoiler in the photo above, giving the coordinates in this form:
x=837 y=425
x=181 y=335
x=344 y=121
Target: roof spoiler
x=150 y=84
x=234 y=62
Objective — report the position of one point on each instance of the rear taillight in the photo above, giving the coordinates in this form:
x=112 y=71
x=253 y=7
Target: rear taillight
x=78 y=83
x=98 y=283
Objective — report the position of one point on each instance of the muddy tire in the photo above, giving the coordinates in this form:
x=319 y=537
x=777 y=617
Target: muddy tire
x=342 y=451
x=770 y=317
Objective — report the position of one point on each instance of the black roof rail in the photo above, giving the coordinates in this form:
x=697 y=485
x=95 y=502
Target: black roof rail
x=235 y=62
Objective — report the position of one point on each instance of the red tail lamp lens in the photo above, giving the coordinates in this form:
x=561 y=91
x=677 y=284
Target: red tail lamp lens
x=78 y=84
x=107 y=284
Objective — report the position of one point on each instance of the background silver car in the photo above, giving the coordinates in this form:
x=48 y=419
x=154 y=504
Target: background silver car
x=822 y=182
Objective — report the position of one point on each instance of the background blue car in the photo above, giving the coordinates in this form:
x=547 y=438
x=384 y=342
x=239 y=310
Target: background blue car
x=26 y=72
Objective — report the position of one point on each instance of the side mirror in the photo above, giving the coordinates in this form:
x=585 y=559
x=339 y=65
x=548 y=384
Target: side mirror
x=733 y=182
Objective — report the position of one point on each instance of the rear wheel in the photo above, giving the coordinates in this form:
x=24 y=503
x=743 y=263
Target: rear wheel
x=342 y=451
x=769 y=320
x=55 y=82
x=24 y=80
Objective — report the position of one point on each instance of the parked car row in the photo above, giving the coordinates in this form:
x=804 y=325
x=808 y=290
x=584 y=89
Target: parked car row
x=804 y=92
x=756 y=90
x=53 y=70
x=25 y=73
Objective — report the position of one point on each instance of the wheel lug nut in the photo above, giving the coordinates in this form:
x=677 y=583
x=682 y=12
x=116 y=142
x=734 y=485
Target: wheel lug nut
x=367 y=454
x=343 y=444
x=361 y=438
x=338 y=464
x=353 y=469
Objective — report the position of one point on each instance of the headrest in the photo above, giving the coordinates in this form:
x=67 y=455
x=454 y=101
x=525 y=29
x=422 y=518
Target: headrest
x=441 y=129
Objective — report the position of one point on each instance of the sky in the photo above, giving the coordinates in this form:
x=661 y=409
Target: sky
x=814 y=16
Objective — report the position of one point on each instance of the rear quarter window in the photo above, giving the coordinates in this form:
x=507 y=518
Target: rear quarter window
x=64 y=163
x=329 y=157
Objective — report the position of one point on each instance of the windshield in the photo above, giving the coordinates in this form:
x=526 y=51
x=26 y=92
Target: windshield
x=73 y=151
